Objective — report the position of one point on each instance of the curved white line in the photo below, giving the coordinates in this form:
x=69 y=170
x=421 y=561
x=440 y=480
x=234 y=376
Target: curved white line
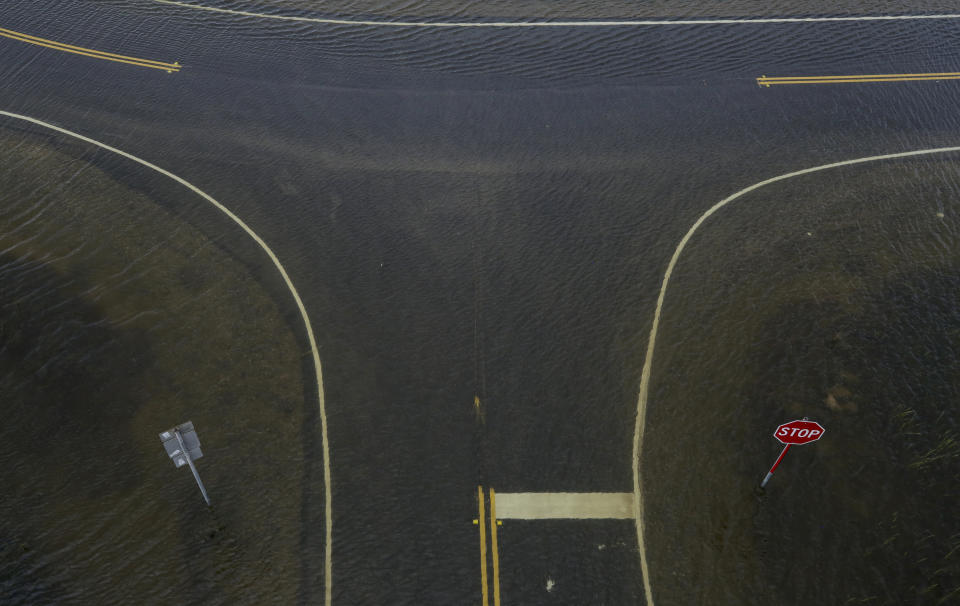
x=328 y=503
x=648 y=362
x=614 y=23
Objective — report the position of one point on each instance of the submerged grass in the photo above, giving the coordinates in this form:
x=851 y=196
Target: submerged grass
x=831 y=299
x=946 y=451
x=120 y=319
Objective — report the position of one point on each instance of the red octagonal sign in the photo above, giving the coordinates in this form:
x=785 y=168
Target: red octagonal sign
x=799 y=432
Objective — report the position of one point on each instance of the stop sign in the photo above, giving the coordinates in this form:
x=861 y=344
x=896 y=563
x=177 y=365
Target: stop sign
x=799 y=432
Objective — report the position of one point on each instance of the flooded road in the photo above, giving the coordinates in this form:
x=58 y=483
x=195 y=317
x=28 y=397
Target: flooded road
x=478 y=222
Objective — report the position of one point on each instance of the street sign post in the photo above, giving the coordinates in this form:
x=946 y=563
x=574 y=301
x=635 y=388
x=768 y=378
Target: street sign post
x=794 y=432
x=183 y=446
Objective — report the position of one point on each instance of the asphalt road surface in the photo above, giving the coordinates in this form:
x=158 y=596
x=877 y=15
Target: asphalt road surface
x=467 y=229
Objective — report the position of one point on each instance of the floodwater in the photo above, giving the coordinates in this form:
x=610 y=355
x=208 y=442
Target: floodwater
x=477 y=215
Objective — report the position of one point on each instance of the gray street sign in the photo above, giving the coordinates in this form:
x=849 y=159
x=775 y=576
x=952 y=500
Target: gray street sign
x=183 y=447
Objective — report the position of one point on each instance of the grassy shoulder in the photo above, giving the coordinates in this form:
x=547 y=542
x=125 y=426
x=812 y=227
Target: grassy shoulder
x=119 y=320
x=828 y=296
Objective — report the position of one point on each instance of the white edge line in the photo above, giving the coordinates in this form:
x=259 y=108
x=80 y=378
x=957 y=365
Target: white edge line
x=328 y=502
x=648 y=361
x=502 y=24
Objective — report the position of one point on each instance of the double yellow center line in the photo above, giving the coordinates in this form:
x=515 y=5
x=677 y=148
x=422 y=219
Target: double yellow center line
x=770 y=81
x=482 y=522
x=89 y=52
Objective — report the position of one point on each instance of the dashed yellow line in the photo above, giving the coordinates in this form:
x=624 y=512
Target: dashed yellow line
x=856 y=79
x=482 y=523
x=89 y=52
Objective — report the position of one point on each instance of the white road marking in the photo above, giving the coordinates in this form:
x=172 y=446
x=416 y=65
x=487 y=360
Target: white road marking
x=328 y=502
x=564 y=505
x=579 y=23
x=648 y=361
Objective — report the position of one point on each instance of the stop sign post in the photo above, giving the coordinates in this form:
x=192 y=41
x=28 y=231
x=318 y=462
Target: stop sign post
x=794 y=432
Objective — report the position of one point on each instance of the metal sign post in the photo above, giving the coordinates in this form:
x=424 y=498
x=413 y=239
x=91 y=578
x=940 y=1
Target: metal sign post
x=183 y=446
x=794 y=432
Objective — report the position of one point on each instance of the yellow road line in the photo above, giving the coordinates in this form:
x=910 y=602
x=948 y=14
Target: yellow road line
x=767 y=81
x=483 y=547
x=80 y=48
x=95 y=56
x=493 y=545
x=861 y=81
x=859 y=76
x=791 y=79
x=89 y=52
